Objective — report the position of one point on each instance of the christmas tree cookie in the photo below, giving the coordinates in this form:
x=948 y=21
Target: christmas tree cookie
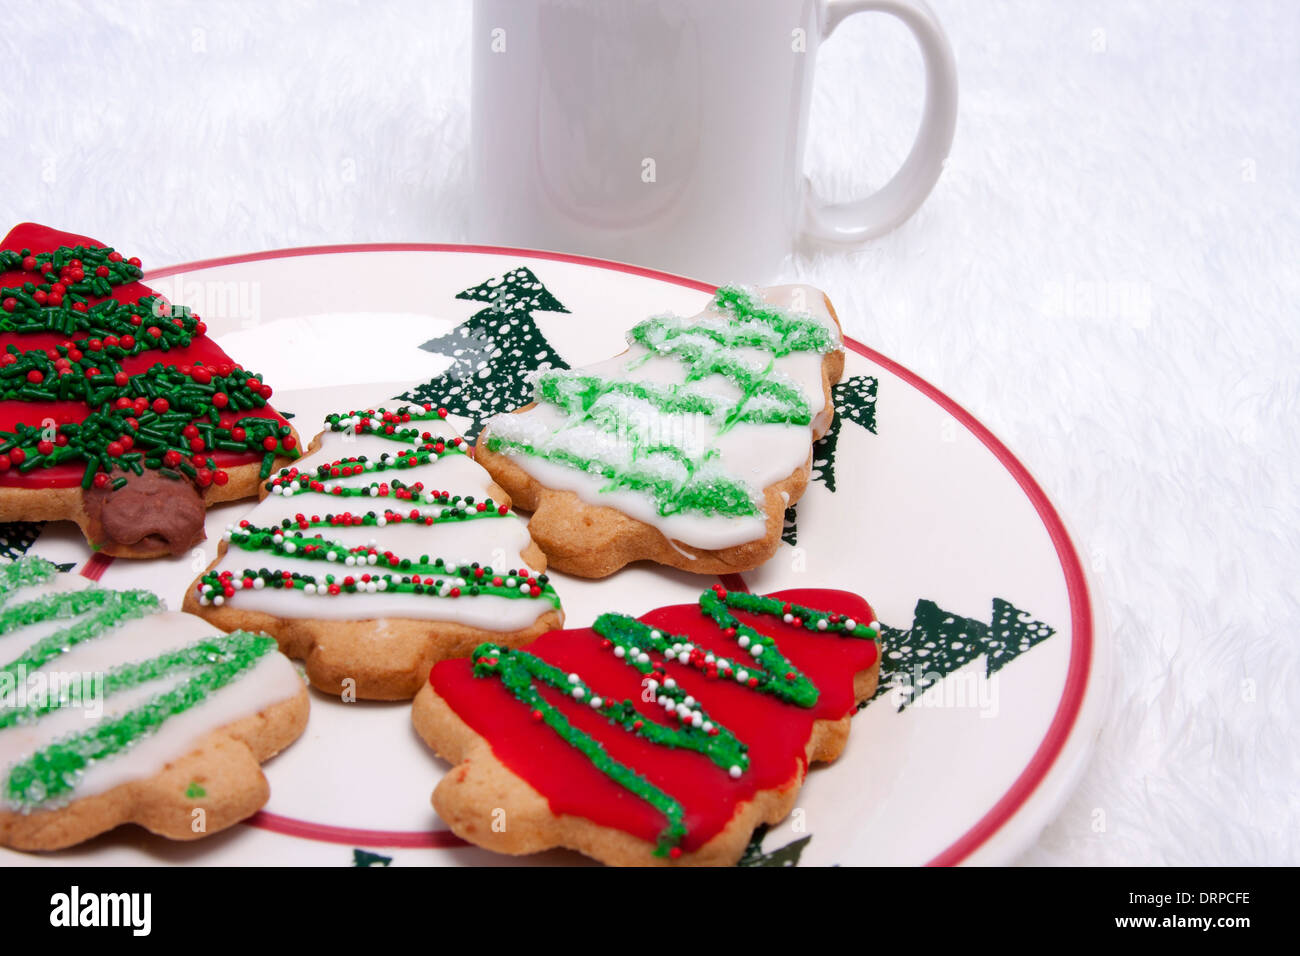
x=116 y=410
x=113 y=710
x=686 y=449
x=665 y=738
x=383 y=552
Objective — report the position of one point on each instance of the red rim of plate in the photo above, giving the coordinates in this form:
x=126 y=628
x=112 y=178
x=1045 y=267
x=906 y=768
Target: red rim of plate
x=1076 y=678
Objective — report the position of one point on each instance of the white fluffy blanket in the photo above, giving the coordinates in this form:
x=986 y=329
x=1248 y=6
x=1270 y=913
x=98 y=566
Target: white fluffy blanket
x=1106 y=275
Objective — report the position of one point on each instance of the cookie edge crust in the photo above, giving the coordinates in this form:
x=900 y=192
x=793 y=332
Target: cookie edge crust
x=158 y=803
x=335 y=650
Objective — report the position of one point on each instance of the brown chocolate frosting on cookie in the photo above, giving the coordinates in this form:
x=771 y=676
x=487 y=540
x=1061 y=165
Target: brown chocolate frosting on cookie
x=150 y=511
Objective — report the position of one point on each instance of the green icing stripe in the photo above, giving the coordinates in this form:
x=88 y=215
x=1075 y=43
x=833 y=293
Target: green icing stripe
x=519 y=669
x=134 y=673
x=713 y=495
x=113 y=607
x=758 y=325
x=53 y=772
x=775 y=675
x=799 y=333
x=702 y=362
x=810 y=619
x=576 y=394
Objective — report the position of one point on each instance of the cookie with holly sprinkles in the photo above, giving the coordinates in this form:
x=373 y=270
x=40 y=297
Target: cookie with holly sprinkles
x=116 y=409
x=666 y=738
x=383 y=552
x=687 y=448
x=114 y=710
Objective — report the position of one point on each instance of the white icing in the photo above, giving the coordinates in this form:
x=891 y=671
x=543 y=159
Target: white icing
x=271 y=680
x=498 y=542
x=619 y=428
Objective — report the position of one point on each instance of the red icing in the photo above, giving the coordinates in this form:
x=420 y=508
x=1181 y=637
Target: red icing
x=40 y=239
x=777 y=733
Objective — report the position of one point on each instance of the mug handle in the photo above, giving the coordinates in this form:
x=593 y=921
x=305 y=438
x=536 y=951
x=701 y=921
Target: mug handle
x=859 y=219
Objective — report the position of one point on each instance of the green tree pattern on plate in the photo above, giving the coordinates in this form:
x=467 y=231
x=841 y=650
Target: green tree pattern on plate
x=939 y=643
x=16 y=537
x=493 y=351
x=855 y=401
x=787 y=855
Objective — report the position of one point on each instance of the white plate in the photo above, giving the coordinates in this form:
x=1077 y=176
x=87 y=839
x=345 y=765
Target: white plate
x=929 y=507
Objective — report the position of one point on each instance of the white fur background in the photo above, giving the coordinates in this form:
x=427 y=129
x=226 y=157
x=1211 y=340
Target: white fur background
x=1108 y=275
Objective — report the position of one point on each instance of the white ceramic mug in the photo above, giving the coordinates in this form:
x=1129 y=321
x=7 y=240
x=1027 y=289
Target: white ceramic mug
x=670 y=133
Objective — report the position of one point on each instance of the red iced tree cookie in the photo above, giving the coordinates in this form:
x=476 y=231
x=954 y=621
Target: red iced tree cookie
x=116 y=410
x=668 y=737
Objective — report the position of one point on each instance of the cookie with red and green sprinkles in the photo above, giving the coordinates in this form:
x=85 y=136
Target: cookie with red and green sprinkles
x=382 y=552
x=117 y=410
